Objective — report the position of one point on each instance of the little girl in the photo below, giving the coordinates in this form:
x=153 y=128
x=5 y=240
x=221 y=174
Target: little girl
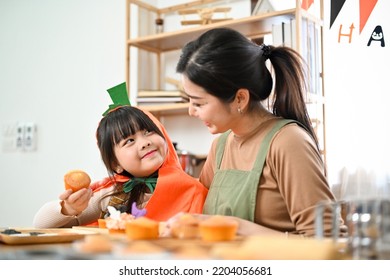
x=144 y=171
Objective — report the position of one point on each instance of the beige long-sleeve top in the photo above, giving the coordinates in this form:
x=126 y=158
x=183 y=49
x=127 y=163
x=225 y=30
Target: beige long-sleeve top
x=50 y=216
x=293 y=179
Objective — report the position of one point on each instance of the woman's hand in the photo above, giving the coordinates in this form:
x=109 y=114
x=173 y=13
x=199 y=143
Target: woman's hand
x=73 y=203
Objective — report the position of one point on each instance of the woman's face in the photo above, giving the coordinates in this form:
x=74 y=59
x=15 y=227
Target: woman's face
x=141 y=154
x=215 y=114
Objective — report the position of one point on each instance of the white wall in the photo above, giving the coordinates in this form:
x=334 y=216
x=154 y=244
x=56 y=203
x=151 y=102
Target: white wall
x=57 y=59
x=357 y=100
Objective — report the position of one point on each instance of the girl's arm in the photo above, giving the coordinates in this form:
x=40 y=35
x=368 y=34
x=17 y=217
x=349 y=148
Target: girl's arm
x=53 y=215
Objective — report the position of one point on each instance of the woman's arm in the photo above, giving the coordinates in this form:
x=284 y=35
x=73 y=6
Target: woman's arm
x=247 y=228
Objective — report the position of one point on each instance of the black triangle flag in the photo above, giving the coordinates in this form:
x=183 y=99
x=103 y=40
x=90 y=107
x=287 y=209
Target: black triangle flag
x=335 y=7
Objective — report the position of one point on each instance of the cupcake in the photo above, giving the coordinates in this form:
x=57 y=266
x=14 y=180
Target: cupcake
x=116 y=222
x=76 y=180
x=95 y=243
x=218 y=228
x=185 y=227
x=142 y=229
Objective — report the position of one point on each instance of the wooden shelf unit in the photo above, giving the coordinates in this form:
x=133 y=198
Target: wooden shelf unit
x=255 y=26
x=167 y=109
x=252 y=26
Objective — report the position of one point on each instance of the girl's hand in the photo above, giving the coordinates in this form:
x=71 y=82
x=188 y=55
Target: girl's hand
x=73 y=203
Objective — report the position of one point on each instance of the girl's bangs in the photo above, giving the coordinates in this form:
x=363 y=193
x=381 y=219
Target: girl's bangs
x=125 y=125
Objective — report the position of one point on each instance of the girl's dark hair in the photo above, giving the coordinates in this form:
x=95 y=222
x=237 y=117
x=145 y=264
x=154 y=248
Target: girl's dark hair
x=223 y=61
x=117 y=125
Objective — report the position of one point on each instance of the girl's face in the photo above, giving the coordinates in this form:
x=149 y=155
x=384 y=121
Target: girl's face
x=215 y=114
x=141 y=154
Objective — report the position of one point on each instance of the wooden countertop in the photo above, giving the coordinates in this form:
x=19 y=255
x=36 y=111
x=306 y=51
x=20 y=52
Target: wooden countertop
x=252 y=247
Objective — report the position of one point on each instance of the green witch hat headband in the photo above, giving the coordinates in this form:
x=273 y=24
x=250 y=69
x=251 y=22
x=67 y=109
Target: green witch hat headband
x=119 y=97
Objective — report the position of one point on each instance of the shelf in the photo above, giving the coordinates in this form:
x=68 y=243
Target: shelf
x=168 y=109
x=252 y=26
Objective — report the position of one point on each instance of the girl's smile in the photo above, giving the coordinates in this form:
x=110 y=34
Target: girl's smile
x=149 y=154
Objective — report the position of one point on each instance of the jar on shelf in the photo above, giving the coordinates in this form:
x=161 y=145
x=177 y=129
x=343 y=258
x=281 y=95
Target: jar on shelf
x=159 y=25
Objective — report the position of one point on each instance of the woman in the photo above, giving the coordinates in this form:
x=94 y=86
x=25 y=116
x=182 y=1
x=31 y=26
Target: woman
x=266 y=167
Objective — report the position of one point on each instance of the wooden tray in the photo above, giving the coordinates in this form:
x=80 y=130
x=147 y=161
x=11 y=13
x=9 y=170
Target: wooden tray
x=46 y=236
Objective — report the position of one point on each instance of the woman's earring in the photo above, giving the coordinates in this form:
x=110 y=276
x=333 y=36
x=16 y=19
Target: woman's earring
x=119 y=170
x=239 y=110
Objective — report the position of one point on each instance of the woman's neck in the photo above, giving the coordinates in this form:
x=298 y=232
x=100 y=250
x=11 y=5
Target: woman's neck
x=250 y=122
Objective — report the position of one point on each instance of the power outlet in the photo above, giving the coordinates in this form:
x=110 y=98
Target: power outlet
x=30 y=136
x=19 y=139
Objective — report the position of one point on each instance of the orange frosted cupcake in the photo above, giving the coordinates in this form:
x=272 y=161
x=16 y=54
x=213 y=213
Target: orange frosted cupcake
x=142 y=228
x=218 y=228
x=116 y=222
x=76 y=180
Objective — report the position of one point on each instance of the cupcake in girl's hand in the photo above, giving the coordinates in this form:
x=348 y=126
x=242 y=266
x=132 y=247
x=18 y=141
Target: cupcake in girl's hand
x=76 y=180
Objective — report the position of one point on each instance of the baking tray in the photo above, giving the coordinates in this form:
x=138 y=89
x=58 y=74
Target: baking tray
x=41 y=236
